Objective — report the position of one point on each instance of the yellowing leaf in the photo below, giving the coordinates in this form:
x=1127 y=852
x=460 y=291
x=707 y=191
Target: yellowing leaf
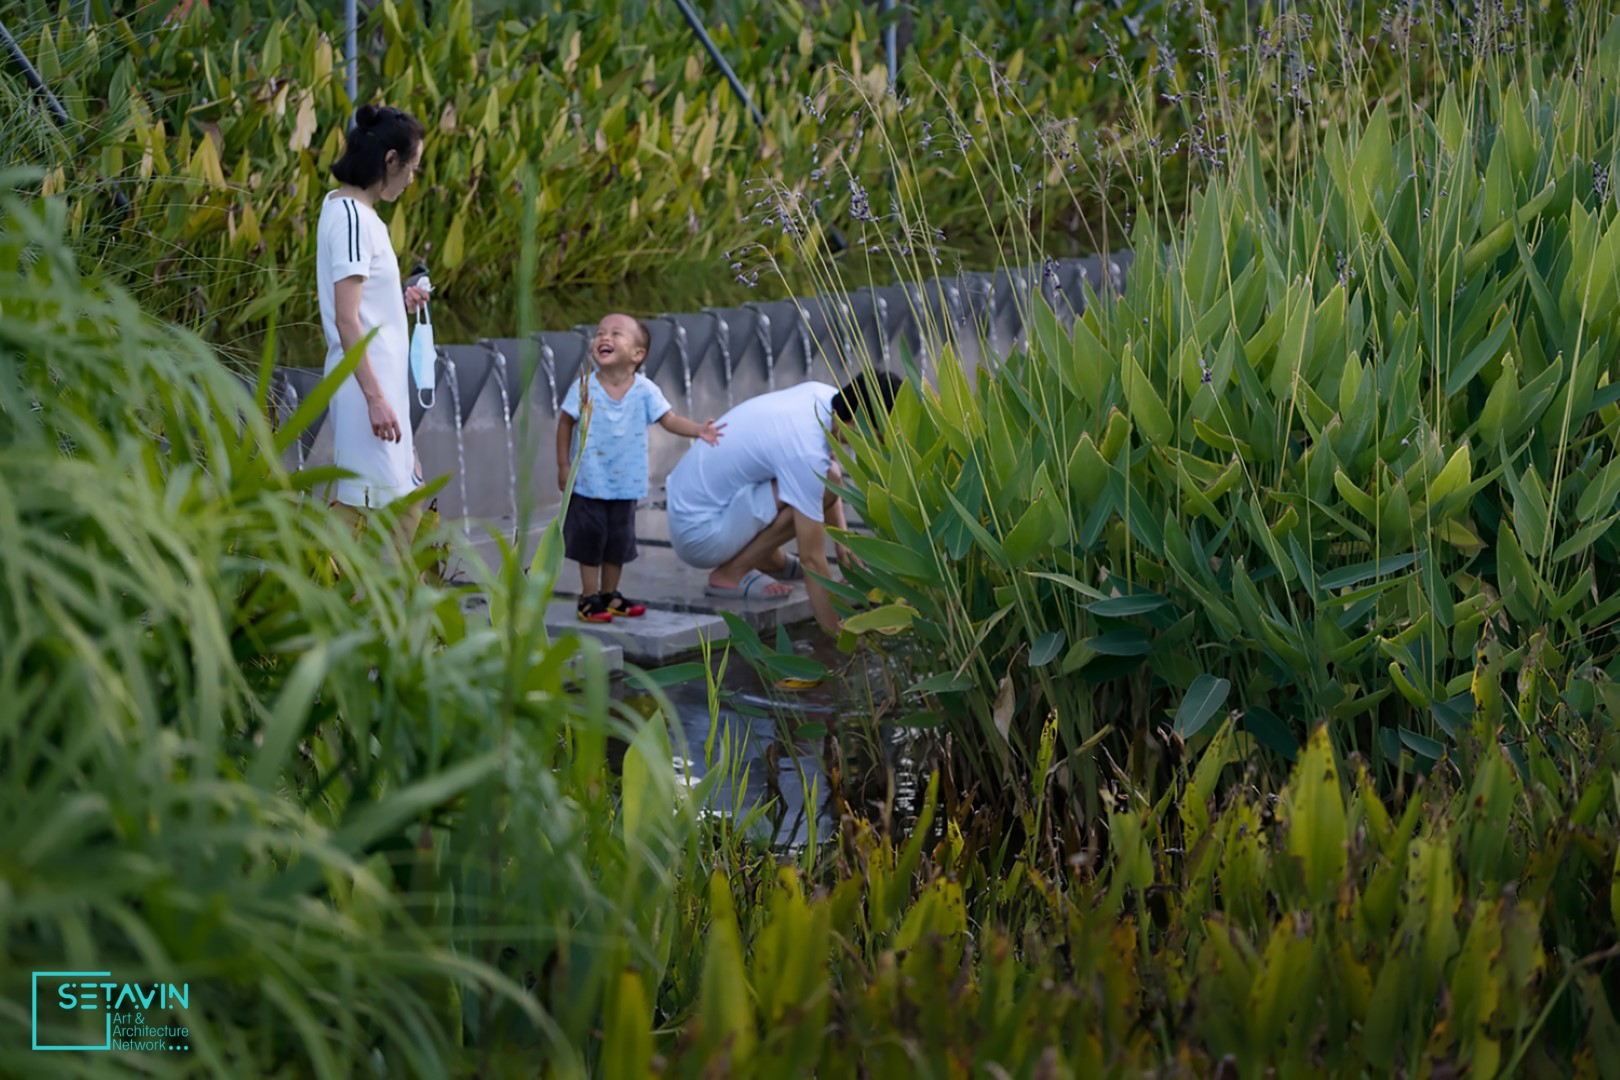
x=455 y=241
x=304 y=124
x=1001 y=712
x=703 y=150
x=205 y=164
x=627 y=1049
x=571 y=58
x=889 y=619
x=724 y=1006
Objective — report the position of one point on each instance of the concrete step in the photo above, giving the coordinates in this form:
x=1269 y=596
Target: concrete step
x=559 y=618
x=656 y=638
x=659 y=637
x=661 y=581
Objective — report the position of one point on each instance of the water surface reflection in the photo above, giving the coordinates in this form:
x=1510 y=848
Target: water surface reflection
x=796 y=754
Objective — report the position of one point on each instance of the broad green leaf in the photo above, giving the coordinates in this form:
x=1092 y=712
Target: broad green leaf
x=1530 y=515
x=1479 y=356
x=1046 y=648
x=1354 y=575
x=1031 y=534
x=1583 y=538
x=1203 y=699
x=1120 y=607
x=1270 y=731
x=1147 y=407
x=627 y=1044
x=785 y=666
x=1422 y=745
x=1120 y=643
x=724 y=1003
x=947 y=682
x=1317 y=826
x=1601 y=492
x=895 y=558
x=1359 y=501
x=888 y=619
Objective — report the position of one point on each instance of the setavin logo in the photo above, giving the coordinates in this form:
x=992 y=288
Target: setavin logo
x=107 y=1015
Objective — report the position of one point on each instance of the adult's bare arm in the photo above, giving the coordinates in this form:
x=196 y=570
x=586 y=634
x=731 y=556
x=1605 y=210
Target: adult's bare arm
x=812 y=538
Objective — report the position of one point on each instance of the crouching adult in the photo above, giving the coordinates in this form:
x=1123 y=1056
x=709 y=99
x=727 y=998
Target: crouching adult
x=734 y=506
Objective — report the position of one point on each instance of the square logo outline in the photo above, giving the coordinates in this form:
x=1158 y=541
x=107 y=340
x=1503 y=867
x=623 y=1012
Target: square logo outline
x=34 y=986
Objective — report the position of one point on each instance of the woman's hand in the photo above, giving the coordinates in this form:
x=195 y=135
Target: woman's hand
x=384 y=423
x=414 y=299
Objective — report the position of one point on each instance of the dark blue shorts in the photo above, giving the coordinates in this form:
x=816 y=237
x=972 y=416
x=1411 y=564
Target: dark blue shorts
x=600 y=531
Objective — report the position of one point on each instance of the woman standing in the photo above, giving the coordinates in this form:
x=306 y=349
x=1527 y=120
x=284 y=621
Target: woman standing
x=358 y=278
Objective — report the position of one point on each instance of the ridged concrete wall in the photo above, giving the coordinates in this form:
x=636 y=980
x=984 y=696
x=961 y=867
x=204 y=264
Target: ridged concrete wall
x=704 y=363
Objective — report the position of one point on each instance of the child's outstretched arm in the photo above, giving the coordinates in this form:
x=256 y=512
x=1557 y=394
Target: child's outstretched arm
x=565 y=447
x=708 y=431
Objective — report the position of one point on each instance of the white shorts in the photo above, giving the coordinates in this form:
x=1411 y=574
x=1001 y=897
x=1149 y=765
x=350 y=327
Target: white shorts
x=710 y=541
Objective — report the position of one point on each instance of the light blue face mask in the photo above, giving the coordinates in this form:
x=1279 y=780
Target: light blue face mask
x=424 y=359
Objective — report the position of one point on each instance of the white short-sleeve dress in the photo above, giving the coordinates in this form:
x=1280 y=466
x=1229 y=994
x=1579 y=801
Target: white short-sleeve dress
x=352 y=241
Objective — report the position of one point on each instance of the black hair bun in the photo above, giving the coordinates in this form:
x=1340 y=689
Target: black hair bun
x=367 y=116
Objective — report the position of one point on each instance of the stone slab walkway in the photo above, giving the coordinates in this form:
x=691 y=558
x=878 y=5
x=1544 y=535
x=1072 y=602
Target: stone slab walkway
x=613 y=651
x=680 y=614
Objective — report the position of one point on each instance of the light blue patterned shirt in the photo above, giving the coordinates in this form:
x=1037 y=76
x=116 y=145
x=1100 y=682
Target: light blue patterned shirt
x=613 y=461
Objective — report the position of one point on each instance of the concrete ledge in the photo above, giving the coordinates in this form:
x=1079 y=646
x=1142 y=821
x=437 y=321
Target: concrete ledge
x=613 y=652
x=660 y=580
x=658 y=637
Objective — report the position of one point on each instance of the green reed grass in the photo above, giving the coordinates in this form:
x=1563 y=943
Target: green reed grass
x=1318 y=931
x=248 y=750
x=1293 y=468
x=220 y=130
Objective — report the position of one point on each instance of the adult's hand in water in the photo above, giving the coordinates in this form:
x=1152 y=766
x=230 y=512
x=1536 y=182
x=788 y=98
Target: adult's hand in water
x=384 y=423
x=414 y=299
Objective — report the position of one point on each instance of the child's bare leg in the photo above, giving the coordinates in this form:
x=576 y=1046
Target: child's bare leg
x=590 y=580
x=610 y=577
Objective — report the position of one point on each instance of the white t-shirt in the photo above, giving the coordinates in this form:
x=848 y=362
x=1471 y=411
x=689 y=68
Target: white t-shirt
x=781 y=435
x=352 y=241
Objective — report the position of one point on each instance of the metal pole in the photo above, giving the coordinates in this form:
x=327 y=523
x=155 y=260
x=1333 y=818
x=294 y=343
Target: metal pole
x=696 y=24
x=891 y=44
x=835 y=239
x=20 y=58
x=52 y=106
x=352 y=18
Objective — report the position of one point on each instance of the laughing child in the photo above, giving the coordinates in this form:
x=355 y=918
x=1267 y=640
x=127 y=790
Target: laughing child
x=599 y=532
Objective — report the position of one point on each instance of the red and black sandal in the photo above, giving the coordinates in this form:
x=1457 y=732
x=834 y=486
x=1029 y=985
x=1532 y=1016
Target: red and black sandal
x=594 y=609
x=624 y=609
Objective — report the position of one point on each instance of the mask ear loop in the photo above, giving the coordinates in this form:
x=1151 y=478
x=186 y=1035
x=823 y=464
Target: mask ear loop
x=422 y=316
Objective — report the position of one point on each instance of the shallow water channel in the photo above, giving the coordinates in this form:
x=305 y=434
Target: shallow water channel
x=798 y=756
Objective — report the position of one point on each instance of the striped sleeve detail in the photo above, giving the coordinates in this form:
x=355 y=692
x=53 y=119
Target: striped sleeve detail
x=352 y=216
